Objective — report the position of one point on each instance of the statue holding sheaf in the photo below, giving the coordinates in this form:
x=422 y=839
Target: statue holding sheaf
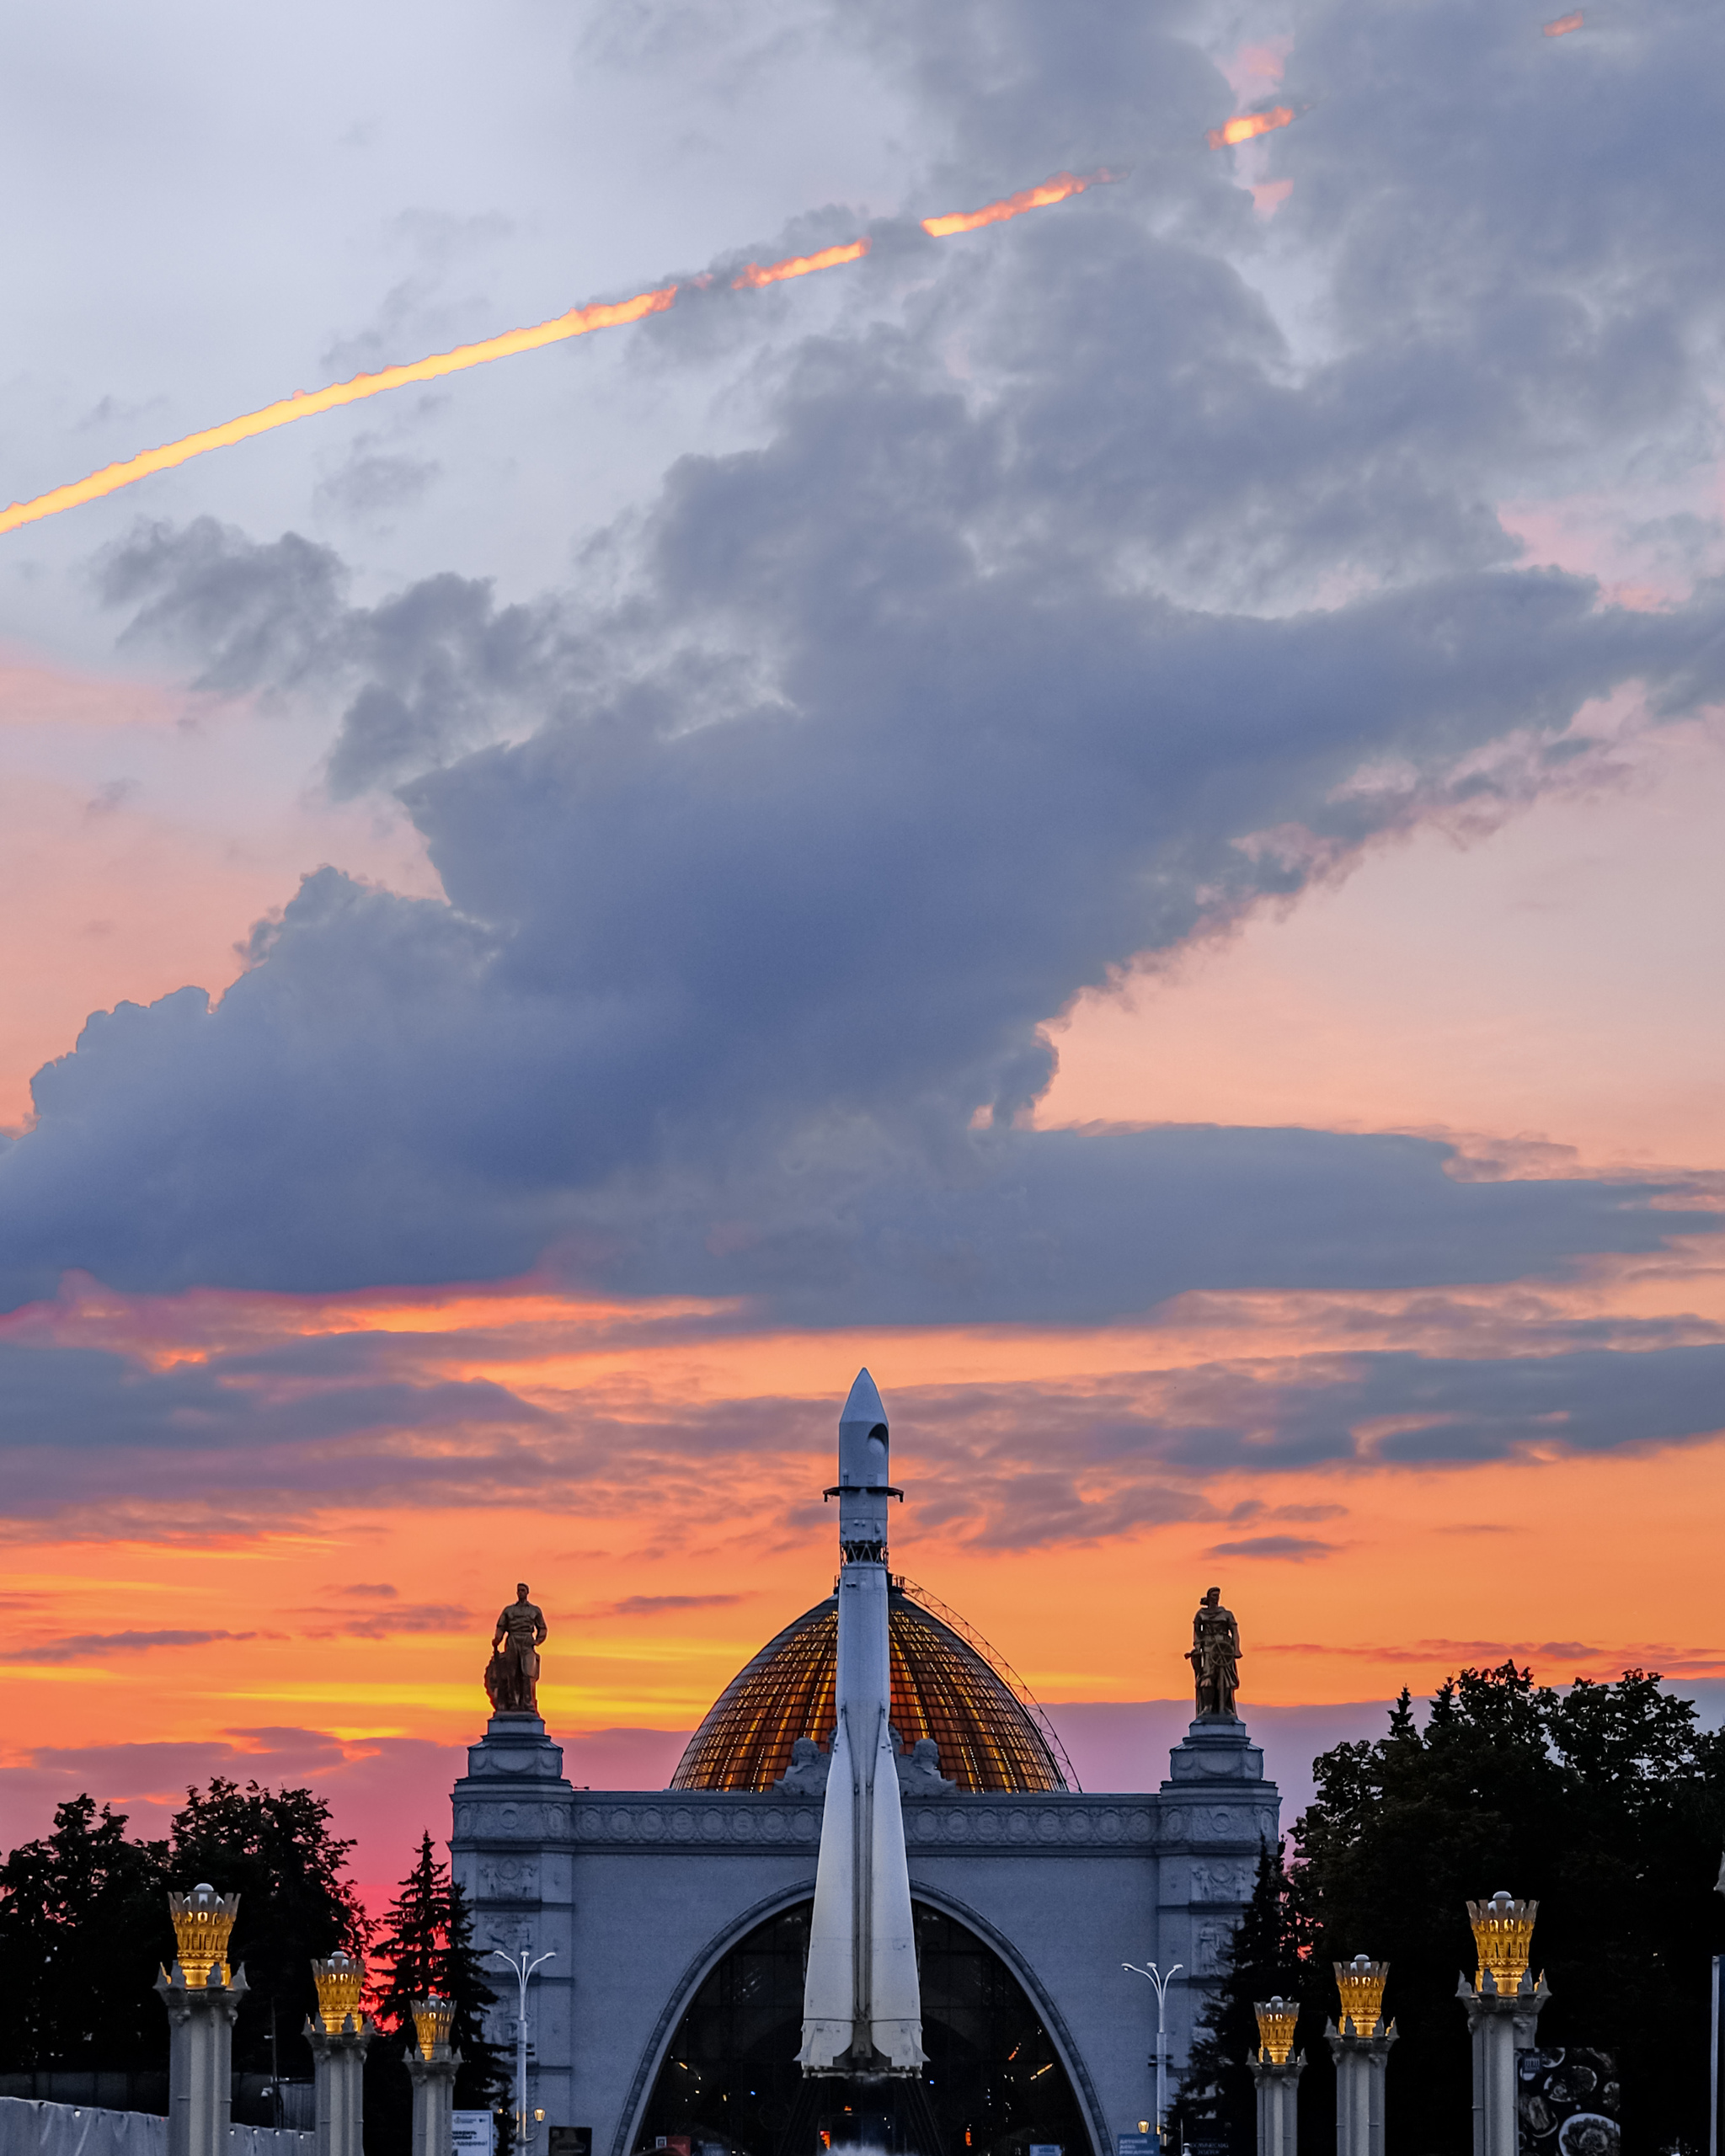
x=512 y=1675
x=1216 y=1657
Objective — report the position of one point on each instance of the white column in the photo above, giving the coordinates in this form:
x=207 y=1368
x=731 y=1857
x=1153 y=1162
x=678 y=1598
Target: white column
x=1499 y=2027
x=199 y=2060
x=339 y=2072
x=1360 y=2063
x=1278 y=2100
x=434 y=2102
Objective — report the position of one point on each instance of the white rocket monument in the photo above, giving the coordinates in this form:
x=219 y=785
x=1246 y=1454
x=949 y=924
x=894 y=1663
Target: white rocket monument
x=861 y=1999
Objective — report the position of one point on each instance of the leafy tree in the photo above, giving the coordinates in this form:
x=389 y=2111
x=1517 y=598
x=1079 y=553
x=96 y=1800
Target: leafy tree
x=1606 y=1804
x=83 y=1926
x=276 y=1850
x=426 y=1945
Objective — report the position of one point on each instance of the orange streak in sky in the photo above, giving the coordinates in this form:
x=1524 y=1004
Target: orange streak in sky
x=1564 y=24
x=1062 y=186
x=301 y=405
x=1248 y=126
x=577 y=322
x=797 y=265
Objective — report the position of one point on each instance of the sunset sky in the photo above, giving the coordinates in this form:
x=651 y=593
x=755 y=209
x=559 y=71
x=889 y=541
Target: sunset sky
x=1116 y=815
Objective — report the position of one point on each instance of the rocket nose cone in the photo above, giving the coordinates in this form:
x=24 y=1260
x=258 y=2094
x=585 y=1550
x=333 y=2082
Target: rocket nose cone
x=863 y=1405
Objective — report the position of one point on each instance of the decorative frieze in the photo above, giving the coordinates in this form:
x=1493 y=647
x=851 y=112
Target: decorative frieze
x=672 y=1821
x=758 y=1824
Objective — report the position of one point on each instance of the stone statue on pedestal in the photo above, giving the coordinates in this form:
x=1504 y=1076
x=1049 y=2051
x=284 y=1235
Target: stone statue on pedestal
x=512 y=1675
x=1216 y=1657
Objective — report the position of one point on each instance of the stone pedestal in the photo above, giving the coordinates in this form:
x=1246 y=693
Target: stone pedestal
x=1499 y=2027
x=434 y=2102
x=339 y=2072
x=1360 y=2064
x=1218 y=1815
x=511 y=1855
x=1277 y=2105
x=199 y=2060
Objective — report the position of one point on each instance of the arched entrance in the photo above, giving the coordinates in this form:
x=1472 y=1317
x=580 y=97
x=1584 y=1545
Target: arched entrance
x=730 y=2080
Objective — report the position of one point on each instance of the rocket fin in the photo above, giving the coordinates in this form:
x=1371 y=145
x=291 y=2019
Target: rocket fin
x=830 y=1982
x=895 y=1994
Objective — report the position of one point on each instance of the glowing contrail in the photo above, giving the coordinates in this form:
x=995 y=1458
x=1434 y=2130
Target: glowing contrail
x=303 y=404
x=577 y=322
x=1248 y=125
x=1564 y=24
x=1062 y=186
x=797 y=265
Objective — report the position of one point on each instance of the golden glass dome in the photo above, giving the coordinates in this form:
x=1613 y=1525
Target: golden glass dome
x=948 y=1684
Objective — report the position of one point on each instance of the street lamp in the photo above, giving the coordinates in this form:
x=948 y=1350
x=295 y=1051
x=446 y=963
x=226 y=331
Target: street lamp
x=1162 y=1984
x=521 y=1967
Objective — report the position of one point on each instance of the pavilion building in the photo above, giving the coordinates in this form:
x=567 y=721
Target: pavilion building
x=672 y=2015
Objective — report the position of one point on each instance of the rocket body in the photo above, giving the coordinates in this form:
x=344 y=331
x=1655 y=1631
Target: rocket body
x=862 y=1998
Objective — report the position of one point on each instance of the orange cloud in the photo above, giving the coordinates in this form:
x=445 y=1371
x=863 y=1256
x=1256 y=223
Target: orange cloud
x=140 y=849
x=1518 y=984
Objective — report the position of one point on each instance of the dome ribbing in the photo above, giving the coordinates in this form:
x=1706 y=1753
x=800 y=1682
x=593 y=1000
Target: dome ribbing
x=946 y=1684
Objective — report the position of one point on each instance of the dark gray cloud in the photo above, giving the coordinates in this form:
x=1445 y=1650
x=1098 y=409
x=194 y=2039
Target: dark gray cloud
x=1064 y=611
x=375 y=483
x=1008 y=1465
x=657 y=1605
x=97 y=1431
x=1069 y=1225
x=441 y=1618
x=1290 y=1548
x=78 y=1646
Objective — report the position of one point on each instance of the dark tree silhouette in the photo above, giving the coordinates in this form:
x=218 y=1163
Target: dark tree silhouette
x=83 y=1927
x=425 y=1944
x=1606 y=1803
x=276 y=1850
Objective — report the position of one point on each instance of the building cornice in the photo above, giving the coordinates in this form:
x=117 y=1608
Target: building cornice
x=716 y=1822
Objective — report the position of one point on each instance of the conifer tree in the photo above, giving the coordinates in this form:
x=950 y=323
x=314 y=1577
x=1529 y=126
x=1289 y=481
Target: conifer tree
x=426 y=1945
x=1218 y=2101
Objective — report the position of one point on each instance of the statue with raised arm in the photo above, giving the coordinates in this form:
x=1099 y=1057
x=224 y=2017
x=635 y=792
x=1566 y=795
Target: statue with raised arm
x=512 y=1675
x=1216 y=1657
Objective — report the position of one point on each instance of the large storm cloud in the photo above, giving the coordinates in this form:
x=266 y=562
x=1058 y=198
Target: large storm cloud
x=1081 y=592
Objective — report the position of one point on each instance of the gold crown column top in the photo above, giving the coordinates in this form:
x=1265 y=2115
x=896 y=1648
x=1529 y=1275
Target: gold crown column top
x=1276 y=2018
x=340 y=1981
x=432 y=2018
x=1361 y=1984
x=1503 y=1938
x=203 y=1923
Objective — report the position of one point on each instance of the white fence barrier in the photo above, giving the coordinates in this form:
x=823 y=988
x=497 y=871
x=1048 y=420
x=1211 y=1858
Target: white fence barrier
x=29 y=2129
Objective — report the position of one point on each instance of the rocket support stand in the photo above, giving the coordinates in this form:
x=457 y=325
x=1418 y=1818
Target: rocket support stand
x=199 y=2061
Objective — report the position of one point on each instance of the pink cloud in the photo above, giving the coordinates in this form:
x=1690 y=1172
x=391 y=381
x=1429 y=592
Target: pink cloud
x=1255 y=68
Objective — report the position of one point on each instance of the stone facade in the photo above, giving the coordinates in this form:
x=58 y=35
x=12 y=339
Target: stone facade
x=638 y=1893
